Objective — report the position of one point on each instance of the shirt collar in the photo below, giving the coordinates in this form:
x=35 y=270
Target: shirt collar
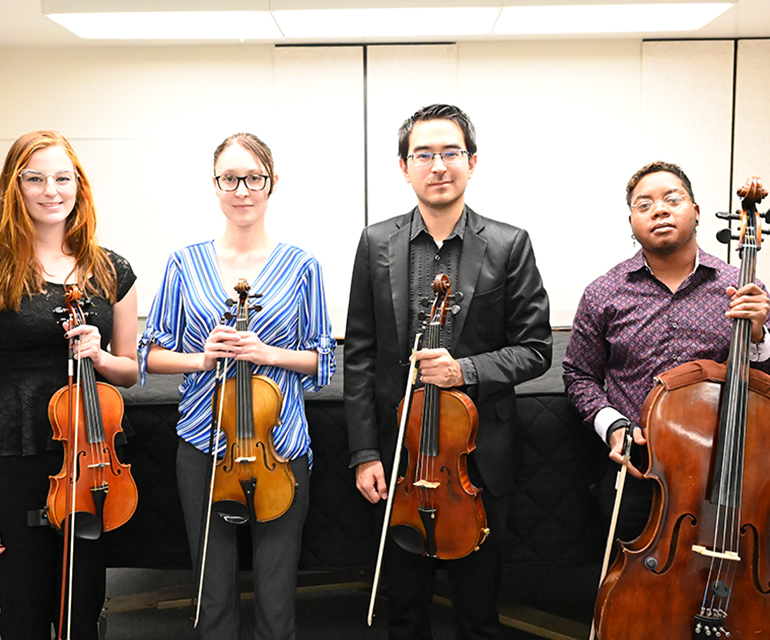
x=418 y=225
x=702 y=259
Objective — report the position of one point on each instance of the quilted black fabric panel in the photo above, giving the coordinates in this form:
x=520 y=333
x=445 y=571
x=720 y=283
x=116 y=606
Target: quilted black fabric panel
x=554 y=518
x=554 y=514
x=155 y=536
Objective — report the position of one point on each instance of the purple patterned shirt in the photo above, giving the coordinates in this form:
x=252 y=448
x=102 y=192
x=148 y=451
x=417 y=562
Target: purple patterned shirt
x=629 y=327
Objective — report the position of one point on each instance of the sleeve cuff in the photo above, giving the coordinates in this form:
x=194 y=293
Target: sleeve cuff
x=604 y=419
x=760 y=351
x=470 y=375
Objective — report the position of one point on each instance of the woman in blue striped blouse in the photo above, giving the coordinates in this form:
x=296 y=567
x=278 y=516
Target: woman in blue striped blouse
x=289 y=340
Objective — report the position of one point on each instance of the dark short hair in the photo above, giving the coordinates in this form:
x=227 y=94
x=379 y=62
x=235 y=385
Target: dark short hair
x=257 y=147
x=438 y=112
x=655 y=167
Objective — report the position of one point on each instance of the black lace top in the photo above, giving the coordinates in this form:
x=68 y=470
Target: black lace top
x=33 y=361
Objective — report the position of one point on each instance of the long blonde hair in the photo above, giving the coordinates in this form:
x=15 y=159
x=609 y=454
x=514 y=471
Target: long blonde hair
x=20 y=272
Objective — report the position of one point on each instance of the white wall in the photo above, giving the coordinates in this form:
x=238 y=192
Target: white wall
x=561 y=127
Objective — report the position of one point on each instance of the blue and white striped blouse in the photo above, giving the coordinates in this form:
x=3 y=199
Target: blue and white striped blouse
x=190 y=303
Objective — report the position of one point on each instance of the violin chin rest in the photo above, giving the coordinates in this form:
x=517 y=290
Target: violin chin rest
x=87 y=526
x=408 y=538
x=232 y=511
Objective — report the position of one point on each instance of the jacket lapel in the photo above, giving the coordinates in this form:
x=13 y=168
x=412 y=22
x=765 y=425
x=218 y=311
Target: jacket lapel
x=398 y=266
x=474 y=249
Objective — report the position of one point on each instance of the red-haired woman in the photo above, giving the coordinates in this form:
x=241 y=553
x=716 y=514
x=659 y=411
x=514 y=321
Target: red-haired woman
x=47 y=241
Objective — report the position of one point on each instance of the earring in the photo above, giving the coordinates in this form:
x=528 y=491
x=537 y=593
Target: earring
x=633 y=241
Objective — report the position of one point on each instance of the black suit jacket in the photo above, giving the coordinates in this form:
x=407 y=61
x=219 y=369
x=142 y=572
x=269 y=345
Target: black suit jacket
x=502 y=326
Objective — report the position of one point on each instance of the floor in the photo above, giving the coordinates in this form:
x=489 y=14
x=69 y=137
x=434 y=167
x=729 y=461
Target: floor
x=148 y=604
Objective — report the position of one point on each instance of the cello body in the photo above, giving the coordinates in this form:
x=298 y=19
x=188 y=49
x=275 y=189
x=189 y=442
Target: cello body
x=655 y=589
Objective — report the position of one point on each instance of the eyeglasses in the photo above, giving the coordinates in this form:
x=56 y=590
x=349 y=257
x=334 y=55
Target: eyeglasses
x=673 y=201
x=424 y=158
x=33 y=180
x=254 y=182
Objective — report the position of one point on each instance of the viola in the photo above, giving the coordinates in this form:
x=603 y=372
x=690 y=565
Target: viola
x=437 y=511
x=433 y=509
x=94 y=491
x=700 y=568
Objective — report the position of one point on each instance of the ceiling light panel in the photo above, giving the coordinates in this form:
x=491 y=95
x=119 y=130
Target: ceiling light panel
x=608 y=18
x=387 y=22
x=171 y=25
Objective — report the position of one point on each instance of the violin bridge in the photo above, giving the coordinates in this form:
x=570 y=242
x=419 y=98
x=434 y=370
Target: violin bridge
x=727 y=555
x=98 y=465
x=424 y=484
x=246 y=459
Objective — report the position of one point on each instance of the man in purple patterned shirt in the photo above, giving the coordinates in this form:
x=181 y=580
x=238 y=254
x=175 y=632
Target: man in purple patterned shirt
x=670 y=303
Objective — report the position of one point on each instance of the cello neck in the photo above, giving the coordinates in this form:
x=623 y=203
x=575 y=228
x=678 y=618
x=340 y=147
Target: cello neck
x=728 y=470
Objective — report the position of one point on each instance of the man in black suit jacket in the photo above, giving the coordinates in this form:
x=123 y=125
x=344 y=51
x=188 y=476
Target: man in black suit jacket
x=499 y=337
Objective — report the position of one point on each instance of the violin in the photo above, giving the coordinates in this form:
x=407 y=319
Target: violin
x=700 y=568
x=437 y=511
x=94 y=491
x=252 y=482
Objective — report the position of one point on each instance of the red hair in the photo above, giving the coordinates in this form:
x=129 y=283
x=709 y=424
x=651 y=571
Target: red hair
x=20 y=272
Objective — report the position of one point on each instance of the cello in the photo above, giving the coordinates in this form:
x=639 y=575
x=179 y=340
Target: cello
x=700 y=568
x=94 y=491
x=252 y=482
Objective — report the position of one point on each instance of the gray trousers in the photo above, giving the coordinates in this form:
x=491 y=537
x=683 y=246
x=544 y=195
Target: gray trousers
x=276 y=548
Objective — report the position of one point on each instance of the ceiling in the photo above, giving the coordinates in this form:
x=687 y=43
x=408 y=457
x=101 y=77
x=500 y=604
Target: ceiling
x=22 y=24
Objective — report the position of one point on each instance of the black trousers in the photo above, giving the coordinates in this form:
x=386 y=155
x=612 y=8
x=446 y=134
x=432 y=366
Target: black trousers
x=474 y=583
x=275 y=556
x=30 y=567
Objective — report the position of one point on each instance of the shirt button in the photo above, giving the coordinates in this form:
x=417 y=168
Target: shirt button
x=674 y=325
x=437 y=257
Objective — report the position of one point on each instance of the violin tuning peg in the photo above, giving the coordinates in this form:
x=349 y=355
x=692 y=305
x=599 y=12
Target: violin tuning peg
x=425 y=302
x=256 y=296
x=455 y=309
x=458 y=296
x=230 y=302
x=227 y=316
x=422 y=316
x=256 y=307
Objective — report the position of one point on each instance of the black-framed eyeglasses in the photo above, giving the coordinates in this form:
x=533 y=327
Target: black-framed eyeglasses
x=424 y=158
x=255 y=182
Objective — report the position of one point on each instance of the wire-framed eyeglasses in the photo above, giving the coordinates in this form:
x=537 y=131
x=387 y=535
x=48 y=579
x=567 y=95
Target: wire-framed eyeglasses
x=672 y=200
x=34 y=180
x=424 y=158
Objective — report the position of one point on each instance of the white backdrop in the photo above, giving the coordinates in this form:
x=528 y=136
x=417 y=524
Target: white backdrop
x=561 y=127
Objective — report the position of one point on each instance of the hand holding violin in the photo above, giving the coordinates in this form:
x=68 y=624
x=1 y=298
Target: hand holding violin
x=439 y=368
x=88 y=342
